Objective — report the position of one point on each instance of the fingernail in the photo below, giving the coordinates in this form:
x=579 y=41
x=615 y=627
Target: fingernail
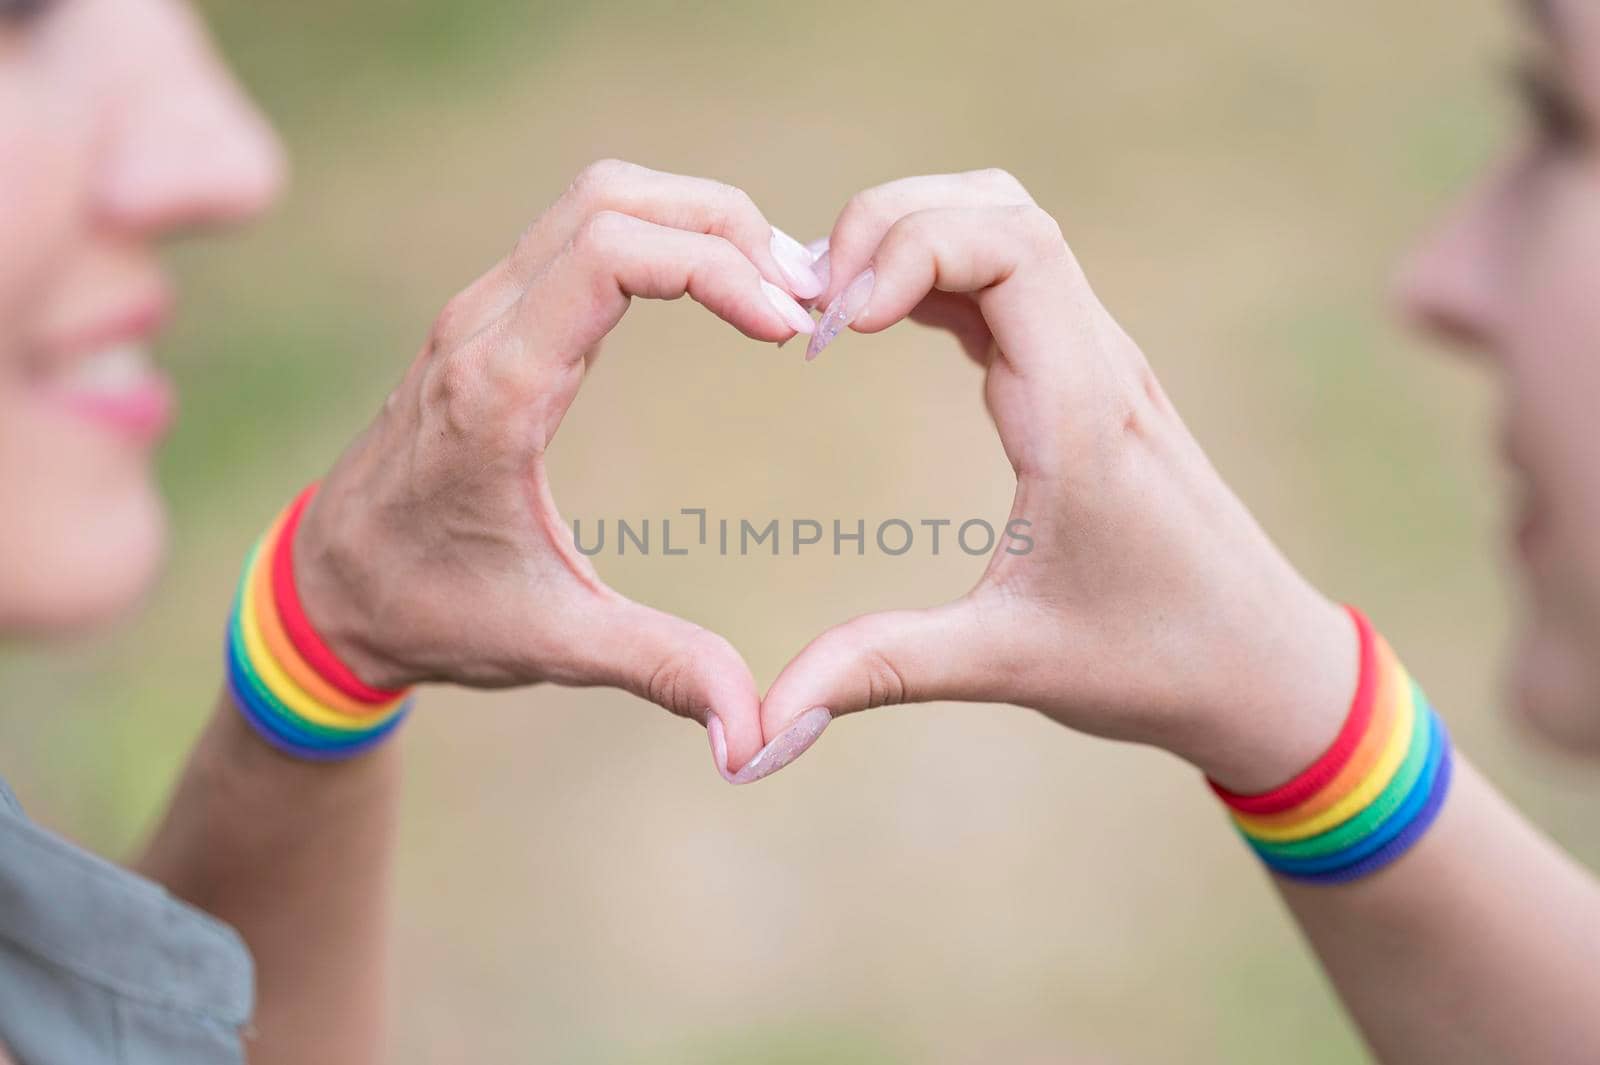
x=846 y=307
x=817 y=247
x=795 y=262
x=792 y=313
x=719 y=745
x=788 y=745
x=822 y=267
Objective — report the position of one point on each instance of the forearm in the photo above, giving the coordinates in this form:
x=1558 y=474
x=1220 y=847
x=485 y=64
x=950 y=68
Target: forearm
x=297 y=856
x=1482 y=944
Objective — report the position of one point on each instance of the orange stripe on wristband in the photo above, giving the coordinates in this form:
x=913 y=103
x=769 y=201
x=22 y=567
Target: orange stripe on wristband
x=282 y=648
x=317 y=654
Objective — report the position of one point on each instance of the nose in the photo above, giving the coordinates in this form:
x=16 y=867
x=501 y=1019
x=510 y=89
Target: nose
x=185 y=147
x=1449 y=286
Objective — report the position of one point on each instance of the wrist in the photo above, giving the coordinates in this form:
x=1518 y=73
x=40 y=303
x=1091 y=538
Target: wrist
x=338 y=597
x=292 y=687
x=235 y=754
x=1291 y=687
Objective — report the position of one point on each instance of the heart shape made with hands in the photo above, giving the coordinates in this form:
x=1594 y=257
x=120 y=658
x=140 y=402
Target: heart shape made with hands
x=911 y=230
x=449 y=486
x=450 y=489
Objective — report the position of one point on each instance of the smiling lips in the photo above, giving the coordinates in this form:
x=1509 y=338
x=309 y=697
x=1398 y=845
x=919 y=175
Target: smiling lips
x=104 y=374
x=120 y=389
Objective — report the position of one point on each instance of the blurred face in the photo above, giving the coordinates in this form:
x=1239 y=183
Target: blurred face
x=1515 y=276
x=118 y=127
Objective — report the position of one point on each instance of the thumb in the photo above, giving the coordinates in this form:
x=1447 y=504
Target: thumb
x=678 y=665
x=954 y=651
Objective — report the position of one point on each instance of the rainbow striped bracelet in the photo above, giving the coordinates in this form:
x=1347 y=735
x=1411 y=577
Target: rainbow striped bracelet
x=286 y=682
x=1370 y=796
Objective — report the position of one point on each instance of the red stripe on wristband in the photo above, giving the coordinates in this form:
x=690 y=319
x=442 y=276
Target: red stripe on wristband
x=1317 y=776
x=318 y=655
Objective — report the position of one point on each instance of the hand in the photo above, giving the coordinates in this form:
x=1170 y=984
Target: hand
x=434 y=550
x=1151 y=606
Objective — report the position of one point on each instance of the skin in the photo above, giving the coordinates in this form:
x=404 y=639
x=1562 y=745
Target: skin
x=1151 y=590
x=433 y=551
x=1479 y=945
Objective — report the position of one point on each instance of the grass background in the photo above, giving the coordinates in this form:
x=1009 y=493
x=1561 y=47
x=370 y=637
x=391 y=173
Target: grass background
x=936 y=884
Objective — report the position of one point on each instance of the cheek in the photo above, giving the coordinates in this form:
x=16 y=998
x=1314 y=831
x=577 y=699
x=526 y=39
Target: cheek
x=1555 y=683
x=82 y=527
x=1551 y=359
x=45 y=139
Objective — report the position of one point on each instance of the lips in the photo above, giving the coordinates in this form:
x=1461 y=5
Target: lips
x=118 y=388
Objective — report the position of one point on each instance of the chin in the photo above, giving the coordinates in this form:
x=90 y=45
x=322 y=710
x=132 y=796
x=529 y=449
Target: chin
x=1555 y=685
x=87 y=563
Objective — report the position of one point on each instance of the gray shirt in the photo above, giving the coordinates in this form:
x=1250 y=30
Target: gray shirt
x=98 y=964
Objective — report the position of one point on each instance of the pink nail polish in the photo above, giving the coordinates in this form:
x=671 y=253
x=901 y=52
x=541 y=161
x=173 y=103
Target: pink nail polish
x=845 y=308
x=793 y=315
x=795 y=262
x=719 y=745
x=822 y=267
x=788 y=745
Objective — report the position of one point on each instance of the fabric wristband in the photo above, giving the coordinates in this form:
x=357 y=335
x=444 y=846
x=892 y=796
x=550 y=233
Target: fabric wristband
x=1371 y=796
x=305 y=639
x=1325 y=768
x=286 y=697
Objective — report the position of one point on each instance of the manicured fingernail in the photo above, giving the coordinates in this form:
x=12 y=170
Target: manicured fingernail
x=795 y=262
x=846 y=307
x=793 y=314
x=788 y=745
x=817 y=247
x=822 y=267
x=719 y=745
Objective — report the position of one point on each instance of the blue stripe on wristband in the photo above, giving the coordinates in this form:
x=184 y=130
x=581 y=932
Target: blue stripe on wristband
x=1401 y=843
x=1388 y=829
x=283 y=729
x=1382 y=800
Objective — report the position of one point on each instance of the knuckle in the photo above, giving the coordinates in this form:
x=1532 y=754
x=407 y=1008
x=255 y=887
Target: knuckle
x=602 y=236
x=1039 y=228
x=666 y=684
x=919 y=229
x=1000 y=180
x=449 y=325
x=600 y=179
x=455 y=390
x=740 y=214
x=673 y=684
x=882 y=680
x=885 y=683
x=863 y=205
x=736 y=199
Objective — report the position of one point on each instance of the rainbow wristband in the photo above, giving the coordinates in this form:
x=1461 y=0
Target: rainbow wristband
x=1370 y=796
x=293 y=704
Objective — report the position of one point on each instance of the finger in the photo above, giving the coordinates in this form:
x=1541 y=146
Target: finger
x=693 y=204
x=957 y=314
x=586 y=290
x=1012 y=259
x=870 y=214
x=678 y=665
x=957 y=651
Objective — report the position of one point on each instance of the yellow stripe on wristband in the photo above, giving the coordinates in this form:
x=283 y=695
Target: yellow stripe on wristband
x=279 y=683
x=1361 y=796
x=281 y=648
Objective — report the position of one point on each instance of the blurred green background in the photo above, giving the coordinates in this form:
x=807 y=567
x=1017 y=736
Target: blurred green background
x=934 y=884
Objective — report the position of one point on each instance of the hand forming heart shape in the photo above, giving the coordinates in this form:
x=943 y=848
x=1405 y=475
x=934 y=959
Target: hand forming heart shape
x=434 y=550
